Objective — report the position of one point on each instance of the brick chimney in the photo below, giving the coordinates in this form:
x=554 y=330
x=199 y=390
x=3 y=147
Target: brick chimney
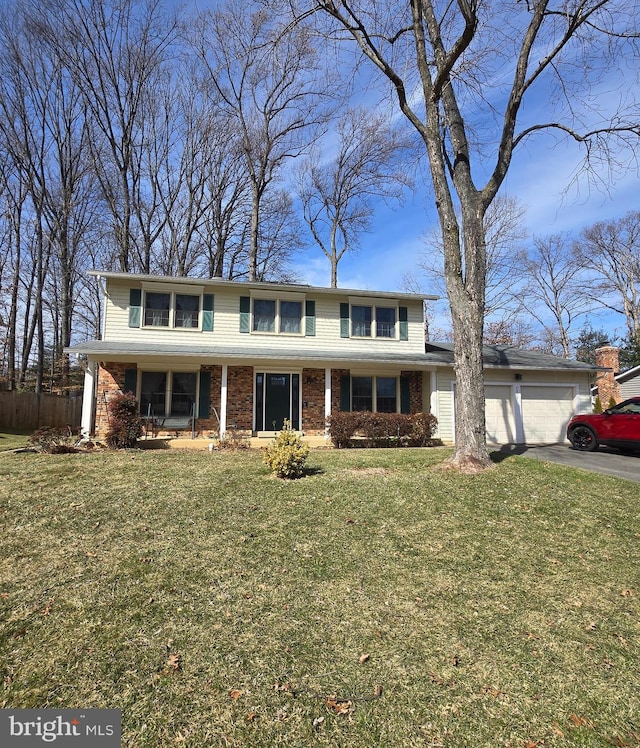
x=608 y=356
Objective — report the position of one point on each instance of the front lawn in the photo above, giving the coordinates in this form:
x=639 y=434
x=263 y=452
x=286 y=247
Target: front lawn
x=14 y=439
x=374 y=602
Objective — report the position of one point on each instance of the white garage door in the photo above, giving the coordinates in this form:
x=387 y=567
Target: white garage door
x=545 y=413
x=499 y=418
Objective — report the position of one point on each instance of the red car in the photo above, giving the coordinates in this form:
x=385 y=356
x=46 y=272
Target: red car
x=616 y=427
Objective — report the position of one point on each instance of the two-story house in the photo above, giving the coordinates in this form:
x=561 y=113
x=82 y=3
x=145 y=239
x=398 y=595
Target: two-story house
x=249 y=356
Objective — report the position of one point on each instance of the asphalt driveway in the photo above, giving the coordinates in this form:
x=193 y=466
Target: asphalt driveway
x=605 y=461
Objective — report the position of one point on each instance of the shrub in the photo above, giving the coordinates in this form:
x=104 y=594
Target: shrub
x=54 y=440
x=232 y=441
x=287 y=454
x=125 y=424
x=597 y=405
x=381 y=429
x=612 y=402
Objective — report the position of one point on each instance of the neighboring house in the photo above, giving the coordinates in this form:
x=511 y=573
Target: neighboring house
x=611 y=382
x=249 y=356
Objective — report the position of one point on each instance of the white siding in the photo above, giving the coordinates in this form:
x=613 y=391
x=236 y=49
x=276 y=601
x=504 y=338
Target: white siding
x=226 y=326
x=630 y=388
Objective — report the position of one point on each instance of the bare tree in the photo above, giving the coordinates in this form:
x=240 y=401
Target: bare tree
x=460 y=73
x=116 y=51
x=610 y=253
x=263 y=76
x=553 y=289
x=338 y=194
x=505 y=235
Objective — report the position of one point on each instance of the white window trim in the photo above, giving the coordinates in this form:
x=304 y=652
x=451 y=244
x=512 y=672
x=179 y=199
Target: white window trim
x=278 y=298
x=374 y=304
x=169 y=386
x=197 y=291
x=374 y=388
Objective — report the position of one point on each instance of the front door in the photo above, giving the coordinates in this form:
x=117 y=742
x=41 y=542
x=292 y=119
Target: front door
x=277 y=400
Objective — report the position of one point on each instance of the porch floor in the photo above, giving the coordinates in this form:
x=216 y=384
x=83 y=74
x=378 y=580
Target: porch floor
x=200 y=443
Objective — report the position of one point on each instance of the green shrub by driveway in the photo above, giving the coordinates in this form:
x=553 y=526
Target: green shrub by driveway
x=373 y=602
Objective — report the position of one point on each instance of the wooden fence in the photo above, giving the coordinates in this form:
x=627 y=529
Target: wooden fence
x=27 y=410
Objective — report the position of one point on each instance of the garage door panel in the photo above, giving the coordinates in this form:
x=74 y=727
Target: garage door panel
x=546 y=412
x=499 y=416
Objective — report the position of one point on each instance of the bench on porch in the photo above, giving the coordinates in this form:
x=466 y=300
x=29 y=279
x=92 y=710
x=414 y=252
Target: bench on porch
x=153 y=424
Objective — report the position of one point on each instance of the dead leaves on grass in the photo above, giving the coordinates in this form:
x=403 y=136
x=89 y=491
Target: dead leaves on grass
x=340 y=706
x=173 y=663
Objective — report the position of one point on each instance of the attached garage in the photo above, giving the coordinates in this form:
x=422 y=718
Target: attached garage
x=546 y=410
x=529 y=396
x=528 y=413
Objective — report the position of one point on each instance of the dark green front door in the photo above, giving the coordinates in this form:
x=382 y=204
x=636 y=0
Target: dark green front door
x=277 y=401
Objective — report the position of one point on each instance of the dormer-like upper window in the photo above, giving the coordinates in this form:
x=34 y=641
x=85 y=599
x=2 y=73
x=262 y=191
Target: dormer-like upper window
x=369 y=320
x=155 y=305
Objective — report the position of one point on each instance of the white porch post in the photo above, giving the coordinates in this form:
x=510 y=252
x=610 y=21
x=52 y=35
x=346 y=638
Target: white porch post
x=88 y=400
x=223 y=400
x=433 y=397
x=327 y=397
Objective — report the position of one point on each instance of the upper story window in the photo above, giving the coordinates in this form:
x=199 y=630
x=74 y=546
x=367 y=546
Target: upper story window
x=372 y=321
x=171 y=310
x=277 y=316
x=154 y=306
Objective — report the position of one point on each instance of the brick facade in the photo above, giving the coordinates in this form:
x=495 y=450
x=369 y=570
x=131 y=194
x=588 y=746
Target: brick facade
x=110 y=382
x=415 y=390
x=240 y=396
x=313 y=421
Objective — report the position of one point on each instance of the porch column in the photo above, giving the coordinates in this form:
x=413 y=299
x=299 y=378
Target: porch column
x=433 y=397
x=88 y=400
x=223 y=400
x=327 y=397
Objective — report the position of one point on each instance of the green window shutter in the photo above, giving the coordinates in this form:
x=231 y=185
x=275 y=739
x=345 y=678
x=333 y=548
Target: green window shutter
x=310 y=318
x=130 y=381
x=344 y=320
x=245 y=314
x=204 y=397
x=135 y=307
x=405 y=395
x=404 y=324
x=345 y=393
x=207 y=312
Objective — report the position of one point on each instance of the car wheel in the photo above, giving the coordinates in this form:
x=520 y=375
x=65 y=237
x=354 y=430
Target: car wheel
x=584 y=439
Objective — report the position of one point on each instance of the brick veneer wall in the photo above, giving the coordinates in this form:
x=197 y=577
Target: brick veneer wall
x=336 y=376
x=313 y=401
x=110 y=382
x=415 y=390
x=240 y=398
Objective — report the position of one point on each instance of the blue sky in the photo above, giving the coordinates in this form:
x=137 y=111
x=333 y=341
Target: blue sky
x=545 y=178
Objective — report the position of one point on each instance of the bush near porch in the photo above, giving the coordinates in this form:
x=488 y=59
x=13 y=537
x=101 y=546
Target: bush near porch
x=365 y=429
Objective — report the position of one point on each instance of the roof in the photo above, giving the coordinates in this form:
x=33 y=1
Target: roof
x=435 y=355
x=260 y=285
x=505 y=356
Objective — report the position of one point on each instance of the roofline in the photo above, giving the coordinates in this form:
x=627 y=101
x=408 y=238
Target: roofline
x=222 y=282
x=624 y=375
x=107 y=350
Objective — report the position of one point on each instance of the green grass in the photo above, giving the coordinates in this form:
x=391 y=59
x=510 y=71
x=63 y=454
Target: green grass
x=218 y=606
x=14 y=439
